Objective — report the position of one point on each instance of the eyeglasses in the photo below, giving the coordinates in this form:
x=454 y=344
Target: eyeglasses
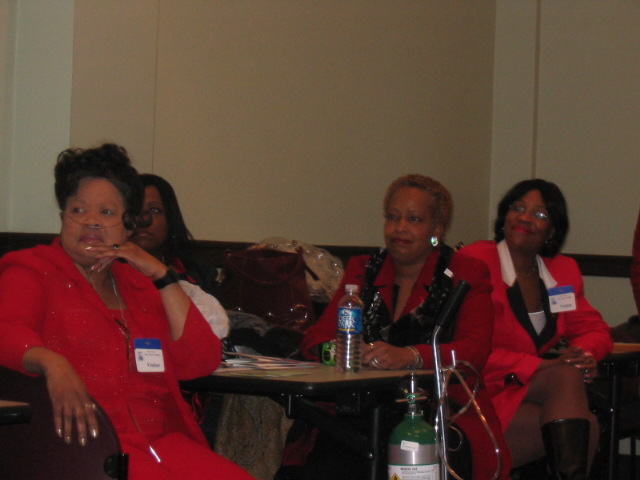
x=520 y=209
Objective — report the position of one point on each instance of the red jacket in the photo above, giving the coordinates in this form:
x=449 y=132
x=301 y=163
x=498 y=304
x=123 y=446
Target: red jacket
x=475 y=323
x=46 y=301
x=471 y=341
x=514 y=351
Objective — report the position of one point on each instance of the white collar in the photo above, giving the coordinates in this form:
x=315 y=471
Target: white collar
x=509 y=272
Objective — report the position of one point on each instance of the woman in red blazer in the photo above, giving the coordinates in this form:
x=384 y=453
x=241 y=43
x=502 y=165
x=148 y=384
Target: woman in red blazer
x=400 y=286
x=540 y=307
x=102 y=319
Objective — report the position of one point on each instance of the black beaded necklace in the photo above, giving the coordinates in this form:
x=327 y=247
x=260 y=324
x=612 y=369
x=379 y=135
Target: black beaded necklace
x=416 y=327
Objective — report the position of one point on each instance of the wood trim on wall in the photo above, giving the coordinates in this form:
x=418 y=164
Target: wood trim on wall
x=212 y=252
x=603 y=265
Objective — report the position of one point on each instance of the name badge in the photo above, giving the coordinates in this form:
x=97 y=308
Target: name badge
x=562 y=299
x=148 y=352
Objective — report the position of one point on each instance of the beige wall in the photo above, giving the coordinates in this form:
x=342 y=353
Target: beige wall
x=7 y=48
x=114 y=76
x=35 y=123
x=290 y=117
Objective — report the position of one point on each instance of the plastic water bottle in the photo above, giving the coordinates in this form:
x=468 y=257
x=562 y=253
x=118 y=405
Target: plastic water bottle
x=349 y=336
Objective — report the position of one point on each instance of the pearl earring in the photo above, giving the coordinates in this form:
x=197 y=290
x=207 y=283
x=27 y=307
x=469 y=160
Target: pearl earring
x=434 y=241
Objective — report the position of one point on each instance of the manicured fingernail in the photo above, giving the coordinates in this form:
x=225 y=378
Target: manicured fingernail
x=88 y=247
x=67 y=440
x=59 y=432
x=94 y=432
x=83 y=441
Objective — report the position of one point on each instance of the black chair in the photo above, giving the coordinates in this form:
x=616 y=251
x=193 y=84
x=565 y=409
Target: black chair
x=33 y=450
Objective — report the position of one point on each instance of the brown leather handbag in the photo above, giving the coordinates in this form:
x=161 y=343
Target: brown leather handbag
x=271 y=284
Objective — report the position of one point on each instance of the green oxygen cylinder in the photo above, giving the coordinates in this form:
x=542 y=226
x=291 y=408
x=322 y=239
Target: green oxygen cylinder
x=413 y=448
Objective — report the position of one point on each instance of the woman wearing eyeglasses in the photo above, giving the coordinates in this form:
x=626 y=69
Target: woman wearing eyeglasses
x=102 y=319
x=540 y=309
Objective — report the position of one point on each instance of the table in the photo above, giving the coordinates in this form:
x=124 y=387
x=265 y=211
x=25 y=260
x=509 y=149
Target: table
x=354 y=393
x=624 y=361
x=14 y=412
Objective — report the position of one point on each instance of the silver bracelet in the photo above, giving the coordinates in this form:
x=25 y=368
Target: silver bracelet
x=418 y=361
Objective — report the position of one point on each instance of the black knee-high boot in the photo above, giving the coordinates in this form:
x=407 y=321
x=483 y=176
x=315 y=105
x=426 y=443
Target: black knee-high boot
x=567 y=444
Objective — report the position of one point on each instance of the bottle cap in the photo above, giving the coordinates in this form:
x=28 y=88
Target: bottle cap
x=351 y=288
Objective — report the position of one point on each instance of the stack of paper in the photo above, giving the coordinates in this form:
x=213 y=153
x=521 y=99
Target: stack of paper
x=259 y=362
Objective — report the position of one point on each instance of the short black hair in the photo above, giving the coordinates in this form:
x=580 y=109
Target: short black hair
x=556 y=206
x=179 y=238
x=108 y=161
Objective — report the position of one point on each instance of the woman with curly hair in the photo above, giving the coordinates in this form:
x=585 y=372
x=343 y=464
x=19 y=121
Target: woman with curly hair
x=103 y=319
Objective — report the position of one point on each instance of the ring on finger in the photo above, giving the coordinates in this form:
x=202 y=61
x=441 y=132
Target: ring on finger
x=375 y=363
x=116 y=246
x=91 y=405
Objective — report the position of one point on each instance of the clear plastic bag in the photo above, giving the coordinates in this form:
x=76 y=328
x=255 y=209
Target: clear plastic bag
x=328 y=268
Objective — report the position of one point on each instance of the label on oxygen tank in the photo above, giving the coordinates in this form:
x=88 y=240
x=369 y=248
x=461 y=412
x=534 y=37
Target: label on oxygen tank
x=404 y=463
x=414 y=472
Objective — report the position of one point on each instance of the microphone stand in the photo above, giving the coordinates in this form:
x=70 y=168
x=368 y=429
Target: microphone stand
x=446 y=315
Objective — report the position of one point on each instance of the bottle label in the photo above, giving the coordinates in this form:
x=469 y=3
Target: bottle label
x=350 y=320
x=414 y=472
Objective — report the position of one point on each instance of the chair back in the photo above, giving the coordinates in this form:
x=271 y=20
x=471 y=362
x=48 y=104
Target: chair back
x=33 y=450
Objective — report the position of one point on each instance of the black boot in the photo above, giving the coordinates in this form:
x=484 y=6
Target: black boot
x=567 y=444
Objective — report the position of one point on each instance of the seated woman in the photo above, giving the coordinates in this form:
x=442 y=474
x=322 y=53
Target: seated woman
x=539 y=302
x=102 y=319
x=165 y=236
x=408 y=280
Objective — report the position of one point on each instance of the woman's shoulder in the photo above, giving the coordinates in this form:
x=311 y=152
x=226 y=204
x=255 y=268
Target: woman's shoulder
x=355 y=270
x=29 y=257
x=561 y=263
x=481 y=248
x=43 y=264
x=461 y=263
x=358 y=263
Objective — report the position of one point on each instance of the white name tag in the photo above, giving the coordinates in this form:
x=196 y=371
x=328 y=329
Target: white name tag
x=562 y=299
x=148 y=352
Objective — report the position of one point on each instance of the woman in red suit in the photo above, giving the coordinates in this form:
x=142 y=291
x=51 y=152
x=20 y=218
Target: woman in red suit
x=403 y=287
x=539 y=303
x=102 y=319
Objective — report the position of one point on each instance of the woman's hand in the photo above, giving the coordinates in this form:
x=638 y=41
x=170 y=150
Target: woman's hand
x=577 y=357
x=583 y=361
x=381 y=355
x=136 y=256
x=175 y=300
x=72 y=404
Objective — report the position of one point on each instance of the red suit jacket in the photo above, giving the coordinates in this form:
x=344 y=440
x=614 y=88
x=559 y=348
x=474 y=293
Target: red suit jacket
x=46 y=301
x=471 y=340
x=513 y=350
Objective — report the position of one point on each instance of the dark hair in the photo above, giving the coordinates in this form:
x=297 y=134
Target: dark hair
x=556 y=206
x=179 y=239
x=443 y=208
x=108 y=161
